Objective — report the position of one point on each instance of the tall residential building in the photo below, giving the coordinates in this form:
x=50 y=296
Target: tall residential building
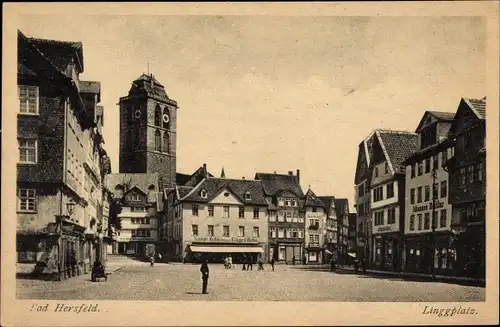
x=148 y=131
x=387 y=188
x=342 y=209
x=467 y=170
x=428 y=212
x=141 y=209
x=362 y=198
x=216 y=218
x=286 y=219
x=59 y=172
x=331 y=228
x=315 y=215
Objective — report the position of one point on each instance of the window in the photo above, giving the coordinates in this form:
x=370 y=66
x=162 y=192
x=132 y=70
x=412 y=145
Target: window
x=386 y=168
x=247 y=196
x=135 y=197
x=361 y=190
x=442 y=218
x=391 y=215
x=314 y=209
x=27 y=199
x=281 y=233
x=435 y=162
x=241 y=212
x=378 y=194
x=256 y=232
x=166 y=142
x=444 y=157
x=293 y=203
x=427 y=163
x=470 y=174
x=463 y=176
x=194 y=230
x=272 y=232
x=27 y=151
x=203 y=194
x=379 y=218
x=412 y=170
x=435 y=191
x=210 y=230
x=225 y=231
x=272 y=215
x=412 y=222
x=427 y=220
x=158 y=116
x=419 y=221
x=194 y=210
x=241 y=231
x=390 y=190
x=138 y=209
x=376 y=171
x=412 y=196
x=420 y=168
x=157 y=141
x=256 y=213
x=281 y=216
x=467 y=138
x=301 y=217
x=480 y=171
x=427 y=193
x=444 y=189
x=28 y=100
x=434 y=219
x=225 y=212
x=419 y=194
x=210 y=210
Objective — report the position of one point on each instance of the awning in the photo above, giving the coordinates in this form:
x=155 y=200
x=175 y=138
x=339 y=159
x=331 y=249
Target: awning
x=352 y=254
x=226 y=249
x=328 y=251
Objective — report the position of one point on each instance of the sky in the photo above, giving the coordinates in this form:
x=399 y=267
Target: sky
x=270 y=93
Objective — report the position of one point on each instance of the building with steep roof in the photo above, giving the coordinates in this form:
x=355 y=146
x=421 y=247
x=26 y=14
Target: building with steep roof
x=61 y=167
x=217 y=217
x=427 y=209
x=286 y=215
x=387 y=190
x=148 y=131
x=467 y=171
x=315 y=221
x=342 y=210
x=330 y=228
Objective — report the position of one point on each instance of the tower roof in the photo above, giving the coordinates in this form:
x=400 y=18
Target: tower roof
x=148 y=85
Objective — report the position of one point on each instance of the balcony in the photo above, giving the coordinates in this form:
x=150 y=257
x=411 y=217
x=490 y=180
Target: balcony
x=314 y=226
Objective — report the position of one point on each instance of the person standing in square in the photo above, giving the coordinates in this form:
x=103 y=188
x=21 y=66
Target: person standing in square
x=204 y=276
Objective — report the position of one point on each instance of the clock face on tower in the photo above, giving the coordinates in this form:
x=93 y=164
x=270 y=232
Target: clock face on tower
x=166 y=119
x=137 y=113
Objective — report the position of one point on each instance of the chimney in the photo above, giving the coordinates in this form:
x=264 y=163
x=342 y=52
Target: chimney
x=243 y=177
x=290 y=173
x=205 y=173
x=298 y=175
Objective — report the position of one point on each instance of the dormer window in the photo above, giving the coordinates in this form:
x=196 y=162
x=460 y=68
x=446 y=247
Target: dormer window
x=247 y=196
x=135 y=197
x=203 y=194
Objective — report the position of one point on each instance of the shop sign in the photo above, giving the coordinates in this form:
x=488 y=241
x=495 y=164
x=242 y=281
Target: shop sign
x=426 y=207
x=383 y=229
x=225 y=239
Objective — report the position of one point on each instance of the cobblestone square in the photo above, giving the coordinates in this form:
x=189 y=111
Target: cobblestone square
x=165 y=282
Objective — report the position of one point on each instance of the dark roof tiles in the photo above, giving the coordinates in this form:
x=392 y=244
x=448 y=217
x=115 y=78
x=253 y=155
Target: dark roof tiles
x=239 y=187
x=312 y=200
x=274 y=184
x=442 y=115
x=399 y=146
x=478 y=105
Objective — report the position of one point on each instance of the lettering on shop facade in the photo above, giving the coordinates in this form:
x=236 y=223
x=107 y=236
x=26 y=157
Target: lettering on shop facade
x=226 y=239
x=426 y=207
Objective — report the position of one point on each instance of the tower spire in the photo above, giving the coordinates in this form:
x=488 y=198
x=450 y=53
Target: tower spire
x=222 y=174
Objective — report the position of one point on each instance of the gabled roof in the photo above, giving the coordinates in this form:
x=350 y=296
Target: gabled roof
x=327 y=200
x=213 y=186
x=193 y=179
x=339 y=205
x=149 y=86
x=312 y=200
x=441 y=116
x=397 y=147
x=135 y=189
x=60 y=53
x=23 y=70
x=181 y=179
x=143 y=182
x=478 y=106
x=276 y=183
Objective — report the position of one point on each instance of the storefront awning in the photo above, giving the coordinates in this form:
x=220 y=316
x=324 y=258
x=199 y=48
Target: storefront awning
x=226 y=249
x=352 y=254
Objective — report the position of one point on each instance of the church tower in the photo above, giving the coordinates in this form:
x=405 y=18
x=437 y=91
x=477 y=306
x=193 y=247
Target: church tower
x=148 y=125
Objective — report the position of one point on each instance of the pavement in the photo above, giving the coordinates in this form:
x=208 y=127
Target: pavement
x=136 y=280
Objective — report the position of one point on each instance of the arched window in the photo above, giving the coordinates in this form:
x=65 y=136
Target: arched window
x=166 y=143
x=157 y=141
x=136 y=137
x=157 y=116
x=128 y=140
x=166 y=118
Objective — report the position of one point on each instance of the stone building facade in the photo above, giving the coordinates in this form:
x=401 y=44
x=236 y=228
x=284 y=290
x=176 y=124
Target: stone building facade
x=315 y=223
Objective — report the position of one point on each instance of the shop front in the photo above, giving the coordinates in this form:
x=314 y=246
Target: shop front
x=429 y=253
x=387 y=251
x=284 y=251
x=314 y=254
x=215 y=252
